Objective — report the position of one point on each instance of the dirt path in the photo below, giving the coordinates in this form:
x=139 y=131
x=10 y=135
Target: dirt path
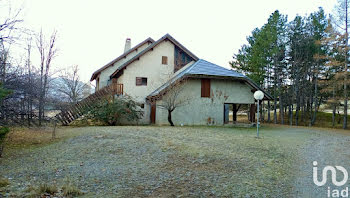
x=327 y=148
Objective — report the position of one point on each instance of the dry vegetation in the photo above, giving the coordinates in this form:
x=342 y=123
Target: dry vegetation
x=153 y=162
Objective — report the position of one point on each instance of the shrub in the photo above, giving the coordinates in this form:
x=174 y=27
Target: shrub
x=113 y=113
x=3 y=132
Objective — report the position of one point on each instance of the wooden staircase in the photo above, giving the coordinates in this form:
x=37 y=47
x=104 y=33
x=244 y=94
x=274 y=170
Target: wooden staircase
x=74 y=111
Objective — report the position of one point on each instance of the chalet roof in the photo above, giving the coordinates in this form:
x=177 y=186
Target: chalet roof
x=96 y=73
x=209 y=70
x=165 y=37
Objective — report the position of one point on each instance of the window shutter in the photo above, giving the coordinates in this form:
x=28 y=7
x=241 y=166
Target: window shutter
x=164 y=60
x=144 y=81
x=138 y=81
x=205 y=88
x=141 y=81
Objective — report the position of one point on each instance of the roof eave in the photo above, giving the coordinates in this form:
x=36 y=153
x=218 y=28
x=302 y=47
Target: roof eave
x=167 y=36
x=97 y=72
x=267 y=95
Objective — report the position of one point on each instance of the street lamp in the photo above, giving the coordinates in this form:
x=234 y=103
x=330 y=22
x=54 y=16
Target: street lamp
x=258 y=95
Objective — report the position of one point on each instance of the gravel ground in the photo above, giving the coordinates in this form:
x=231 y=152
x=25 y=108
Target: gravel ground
x=328 y=149
x=177 y=162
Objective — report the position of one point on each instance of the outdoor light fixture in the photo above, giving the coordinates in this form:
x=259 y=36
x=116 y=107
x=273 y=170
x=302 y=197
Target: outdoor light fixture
x=258 y=95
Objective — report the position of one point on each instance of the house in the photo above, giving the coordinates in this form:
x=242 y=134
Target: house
x=156 y=72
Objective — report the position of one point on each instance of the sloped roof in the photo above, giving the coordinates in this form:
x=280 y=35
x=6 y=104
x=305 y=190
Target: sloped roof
x=209 y=70
x=95 y=74
x=166 y=36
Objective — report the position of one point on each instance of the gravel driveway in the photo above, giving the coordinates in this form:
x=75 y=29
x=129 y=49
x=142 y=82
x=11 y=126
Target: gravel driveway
x=328 y=149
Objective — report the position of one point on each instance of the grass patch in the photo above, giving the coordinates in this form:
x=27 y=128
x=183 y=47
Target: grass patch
x=4 y=182
x=152 y=161
x=49 y=189
x=23 y=137
x=41 y=190
x=70 y=190
x=34 y=137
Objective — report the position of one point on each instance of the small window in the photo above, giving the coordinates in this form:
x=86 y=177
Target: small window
x=205 y=89
x=142 y=106
x=164 y=60
x=141 y=81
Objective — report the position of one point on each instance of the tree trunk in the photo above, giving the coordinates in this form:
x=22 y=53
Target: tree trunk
x=290 y=111
x=345 y=121
x=316 y=99
x=333 y=115
x=275 y=105
x=268 y=111
x=169 y=118
x=281 y=103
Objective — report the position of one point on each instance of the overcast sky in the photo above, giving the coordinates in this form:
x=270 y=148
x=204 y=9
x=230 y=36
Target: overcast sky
x=92 y=33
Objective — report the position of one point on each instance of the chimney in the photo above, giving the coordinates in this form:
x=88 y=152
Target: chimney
x=127 y=45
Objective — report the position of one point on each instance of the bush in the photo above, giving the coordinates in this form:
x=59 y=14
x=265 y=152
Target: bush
x=113 y=113
x=3 y=132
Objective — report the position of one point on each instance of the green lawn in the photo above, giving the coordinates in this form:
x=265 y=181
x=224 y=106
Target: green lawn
x=156 y=161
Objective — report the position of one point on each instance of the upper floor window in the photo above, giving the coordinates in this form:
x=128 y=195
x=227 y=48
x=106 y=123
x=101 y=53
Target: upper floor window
x=141 y=81
x=164 y=60
x=205 y=88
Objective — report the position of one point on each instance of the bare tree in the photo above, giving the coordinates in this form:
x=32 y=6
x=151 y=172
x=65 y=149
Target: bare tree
x=9 y=23
x=172 y=98
x=47 y=52
x=72 y=88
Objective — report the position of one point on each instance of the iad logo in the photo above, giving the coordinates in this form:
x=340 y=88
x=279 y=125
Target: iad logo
x=334 y=175
x=335 y=192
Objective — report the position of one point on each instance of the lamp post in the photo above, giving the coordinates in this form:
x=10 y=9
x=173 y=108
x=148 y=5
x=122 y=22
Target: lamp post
x=258 y=95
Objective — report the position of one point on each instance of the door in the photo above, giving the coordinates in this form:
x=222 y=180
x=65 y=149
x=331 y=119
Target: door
x=153 y=113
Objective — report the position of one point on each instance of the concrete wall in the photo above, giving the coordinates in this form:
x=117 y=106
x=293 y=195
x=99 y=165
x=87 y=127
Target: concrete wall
x=105 y=74
x=149 y=66
x=198 y=110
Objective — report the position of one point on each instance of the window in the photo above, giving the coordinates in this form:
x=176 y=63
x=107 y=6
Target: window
x=141 y=81
x=164 y=60
x=205 y=89
x=142 y=106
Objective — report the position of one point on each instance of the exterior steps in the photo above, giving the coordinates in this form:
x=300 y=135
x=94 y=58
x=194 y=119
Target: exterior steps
x=74 y=111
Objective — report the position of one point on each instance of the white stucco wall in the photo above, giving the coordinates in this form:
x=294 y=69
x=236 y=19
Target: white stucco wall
x=105 y=74
x=199 y=110
x=149 y=66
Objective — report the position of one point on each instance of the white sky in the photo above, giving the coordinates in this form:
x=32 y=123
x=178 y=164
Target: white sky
x=92 y=33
